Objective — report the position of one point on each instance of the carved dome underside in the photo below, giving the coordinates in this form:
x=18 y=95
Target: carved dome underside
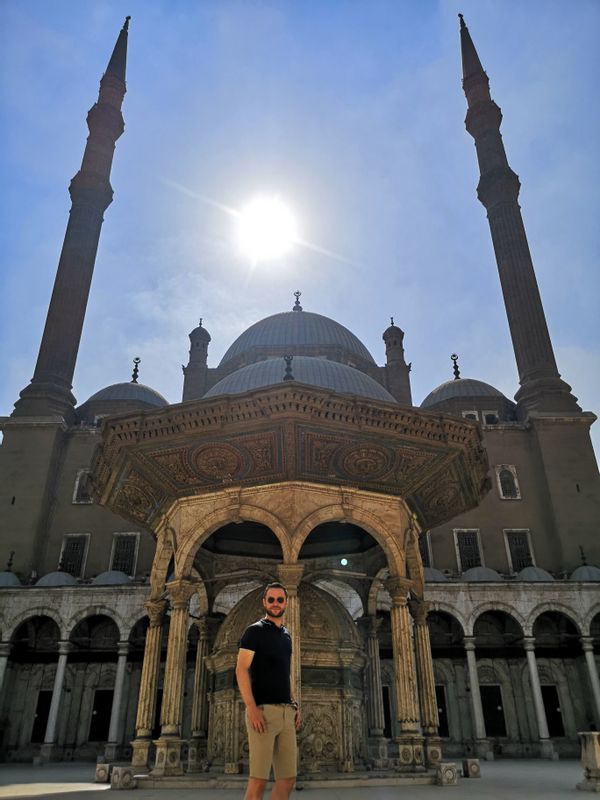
x=312 y=371
x=297 y=333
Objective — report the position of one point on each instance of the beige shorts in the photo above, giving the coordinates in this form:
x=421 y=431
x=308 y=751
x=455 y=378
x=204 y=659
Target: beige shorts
x=277 y=746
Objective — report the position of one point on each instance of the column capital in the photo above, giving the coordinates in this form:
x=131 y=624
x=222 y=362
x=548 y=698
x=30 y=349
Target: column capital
x=123 y=648
x=469 y=642
x=419 y=610
x=156 y=611
x=202 y=625
x=5 y=648
x=290 y=576
x=587 y=643
x=529 y=643
x=398 y=589
x=64 y=648
x=180 y=591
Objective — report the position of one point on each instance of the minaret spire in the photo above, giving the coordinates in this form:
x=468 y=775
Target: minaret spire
x=91 y=193
x=541 y=386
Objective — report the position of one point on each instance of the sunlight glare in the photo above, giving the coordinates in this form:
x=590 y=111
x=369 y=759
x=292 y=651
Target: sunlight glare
x=266 y=229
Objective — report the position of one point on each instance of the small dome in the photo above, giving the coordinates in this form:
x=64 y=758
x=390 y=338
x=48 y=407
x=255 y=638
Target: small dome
x=57 y=579
x=586 y=572
x=111 y=578
x=534 y=574
x=483 y=574
x=458 y=388
x=314 y=371
x=294 y=330
x=434 y=575
x=9 y=578
x=200 y=333
x=129 y=391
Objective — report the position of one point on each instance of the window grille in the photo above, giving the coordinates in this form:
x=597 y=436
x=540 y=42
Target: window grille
x=124 y=552
x=508 y=486
x=73 y=552
x=468 y=549
x=82 y=492
x=520 y=549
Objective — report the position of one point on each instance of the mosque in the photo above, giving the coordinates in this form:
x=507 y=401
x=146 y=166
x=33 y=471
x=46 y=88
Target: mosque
x=442 y=560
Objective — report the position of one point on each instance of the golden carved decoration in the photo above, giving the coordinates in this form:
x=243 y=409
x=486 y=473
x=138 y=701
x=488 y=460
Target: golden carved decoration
x=218 y=461
x=366 y=461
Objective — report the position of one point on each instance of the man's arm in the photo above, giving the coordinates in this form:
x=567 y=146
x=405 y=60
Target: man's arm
x=242 y=673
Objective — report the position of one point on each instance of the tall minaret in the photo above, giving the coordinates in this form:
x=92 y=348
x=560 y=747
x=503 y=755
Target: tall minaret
x=49 y=392
x=541 y=386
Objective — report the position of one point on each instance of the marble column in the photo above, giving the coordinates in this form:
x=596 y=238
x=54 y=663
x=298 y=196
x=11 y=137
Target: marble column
x=290 y=576
x=48 y=749
x=114 y=734
x=148 y=685
x=169 y=744
x=5 y=648
x=375 y=713
x=197 y=745
x=588 y=648
x=482 y=746
x=410 y=741
x=426 y=682
x=547 y=748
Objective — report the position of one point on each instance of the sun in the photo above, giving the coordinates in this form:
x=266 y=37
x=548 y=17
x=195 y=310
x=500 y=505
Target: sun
x=266 y=228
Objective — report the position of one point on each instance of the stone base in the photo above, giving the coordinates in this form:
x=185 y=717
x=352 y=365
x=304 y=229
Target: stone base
x=111 y=752
x=140 y=755
x=433 y=751
x=411 y=755
x=122 y=778
x=378 y=752
x=471 y=768
x=547 y=749
x=103 y=773
x=168 y=756
x=231 y=768
x=447 y=774
x=51 y=752
x=590 y=760
x=346 y=766
x=484 y=749
x=197 y=761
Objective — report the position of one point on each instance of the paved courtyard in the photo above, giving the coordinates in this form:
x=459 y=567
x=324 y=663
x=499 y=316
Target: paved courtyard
x=501 y=780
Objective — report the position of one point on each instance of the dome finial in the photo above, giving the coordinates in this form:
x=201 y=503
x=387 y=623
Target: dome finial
x=392 y=322
x=297 y=306
x=583 y=558
x=136 y=369
x=288 y=368
x=200 y=323
x=455 y=368
x=9 y=563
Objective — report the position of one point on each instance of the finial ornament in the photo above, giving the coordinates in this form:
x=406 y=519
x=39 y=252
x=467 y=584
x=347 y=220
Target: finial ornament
x=455 y=368
x=583 y=558
x=9 y=563
x=297 y=306
x=126 y=23
x=462 y=21
x=136 y=369
x=200 y=323
x=288 y=368
x=392 y=321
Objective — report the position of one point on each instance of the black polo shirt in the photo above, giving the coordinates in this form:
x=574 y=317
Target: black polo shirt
x=270 y=667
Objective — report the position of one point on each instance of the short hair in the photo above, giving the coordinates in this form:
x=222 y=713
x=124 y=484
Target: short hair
x=274 y=586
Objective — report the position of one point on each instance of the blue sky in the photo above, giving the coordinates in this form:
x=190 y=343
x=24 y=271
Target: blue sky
x=352 y=112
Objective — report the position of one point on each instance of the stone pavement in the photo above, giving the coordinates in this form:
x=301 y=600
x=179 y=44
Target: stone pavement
x=501 y=780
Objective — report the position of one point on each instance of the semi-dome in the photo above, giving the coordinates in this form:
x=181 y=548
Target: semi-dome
x=136 y=392
x=482 y=574
x=112 y=577
x=532 y=573
x=586 y=572
x=58 y=578
x=433 y=575
x=297 y=332
x=459 y=388
x=314 y=371
x=8 y=578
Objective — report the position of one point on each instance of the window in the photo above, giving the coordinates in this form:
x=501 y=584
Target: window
x=124 y=552
x=518 y=549
x=468 y=549
x=471 y=415
x=490 y=417
x=82 y=490
x=506 y=479
x=73 y=553
x=425 y=548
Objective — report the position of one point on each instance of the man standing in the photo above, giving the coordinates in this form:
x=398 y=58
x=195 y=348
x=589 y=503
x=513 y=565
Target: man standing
x=272 y=715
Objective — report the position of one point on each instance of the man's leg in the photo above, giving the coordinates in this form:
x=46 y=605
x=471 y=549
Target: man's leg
x=285 y=757
x=283 y=788
x=255 y=789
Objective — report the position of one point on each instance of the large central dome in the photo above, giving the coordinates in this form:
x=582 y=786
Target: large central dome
x=298 y=333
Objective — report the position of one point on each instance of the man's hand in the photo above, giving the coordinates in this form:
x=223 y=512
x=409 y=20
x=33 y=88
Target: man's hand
x=297 y=719
x=257 y=719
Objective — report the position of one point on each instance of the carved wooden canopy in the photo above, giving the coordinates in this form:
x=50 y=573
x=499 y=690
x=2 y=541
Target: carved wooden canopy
x=283 y=433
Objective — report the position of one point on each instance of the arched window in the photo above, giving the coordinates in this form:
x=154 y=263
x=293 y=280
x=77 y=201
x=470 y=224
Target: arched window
x=508 y=487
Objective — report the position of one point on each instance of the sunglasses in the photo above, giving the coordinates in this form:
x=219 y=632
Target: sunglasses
x=271 y=600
